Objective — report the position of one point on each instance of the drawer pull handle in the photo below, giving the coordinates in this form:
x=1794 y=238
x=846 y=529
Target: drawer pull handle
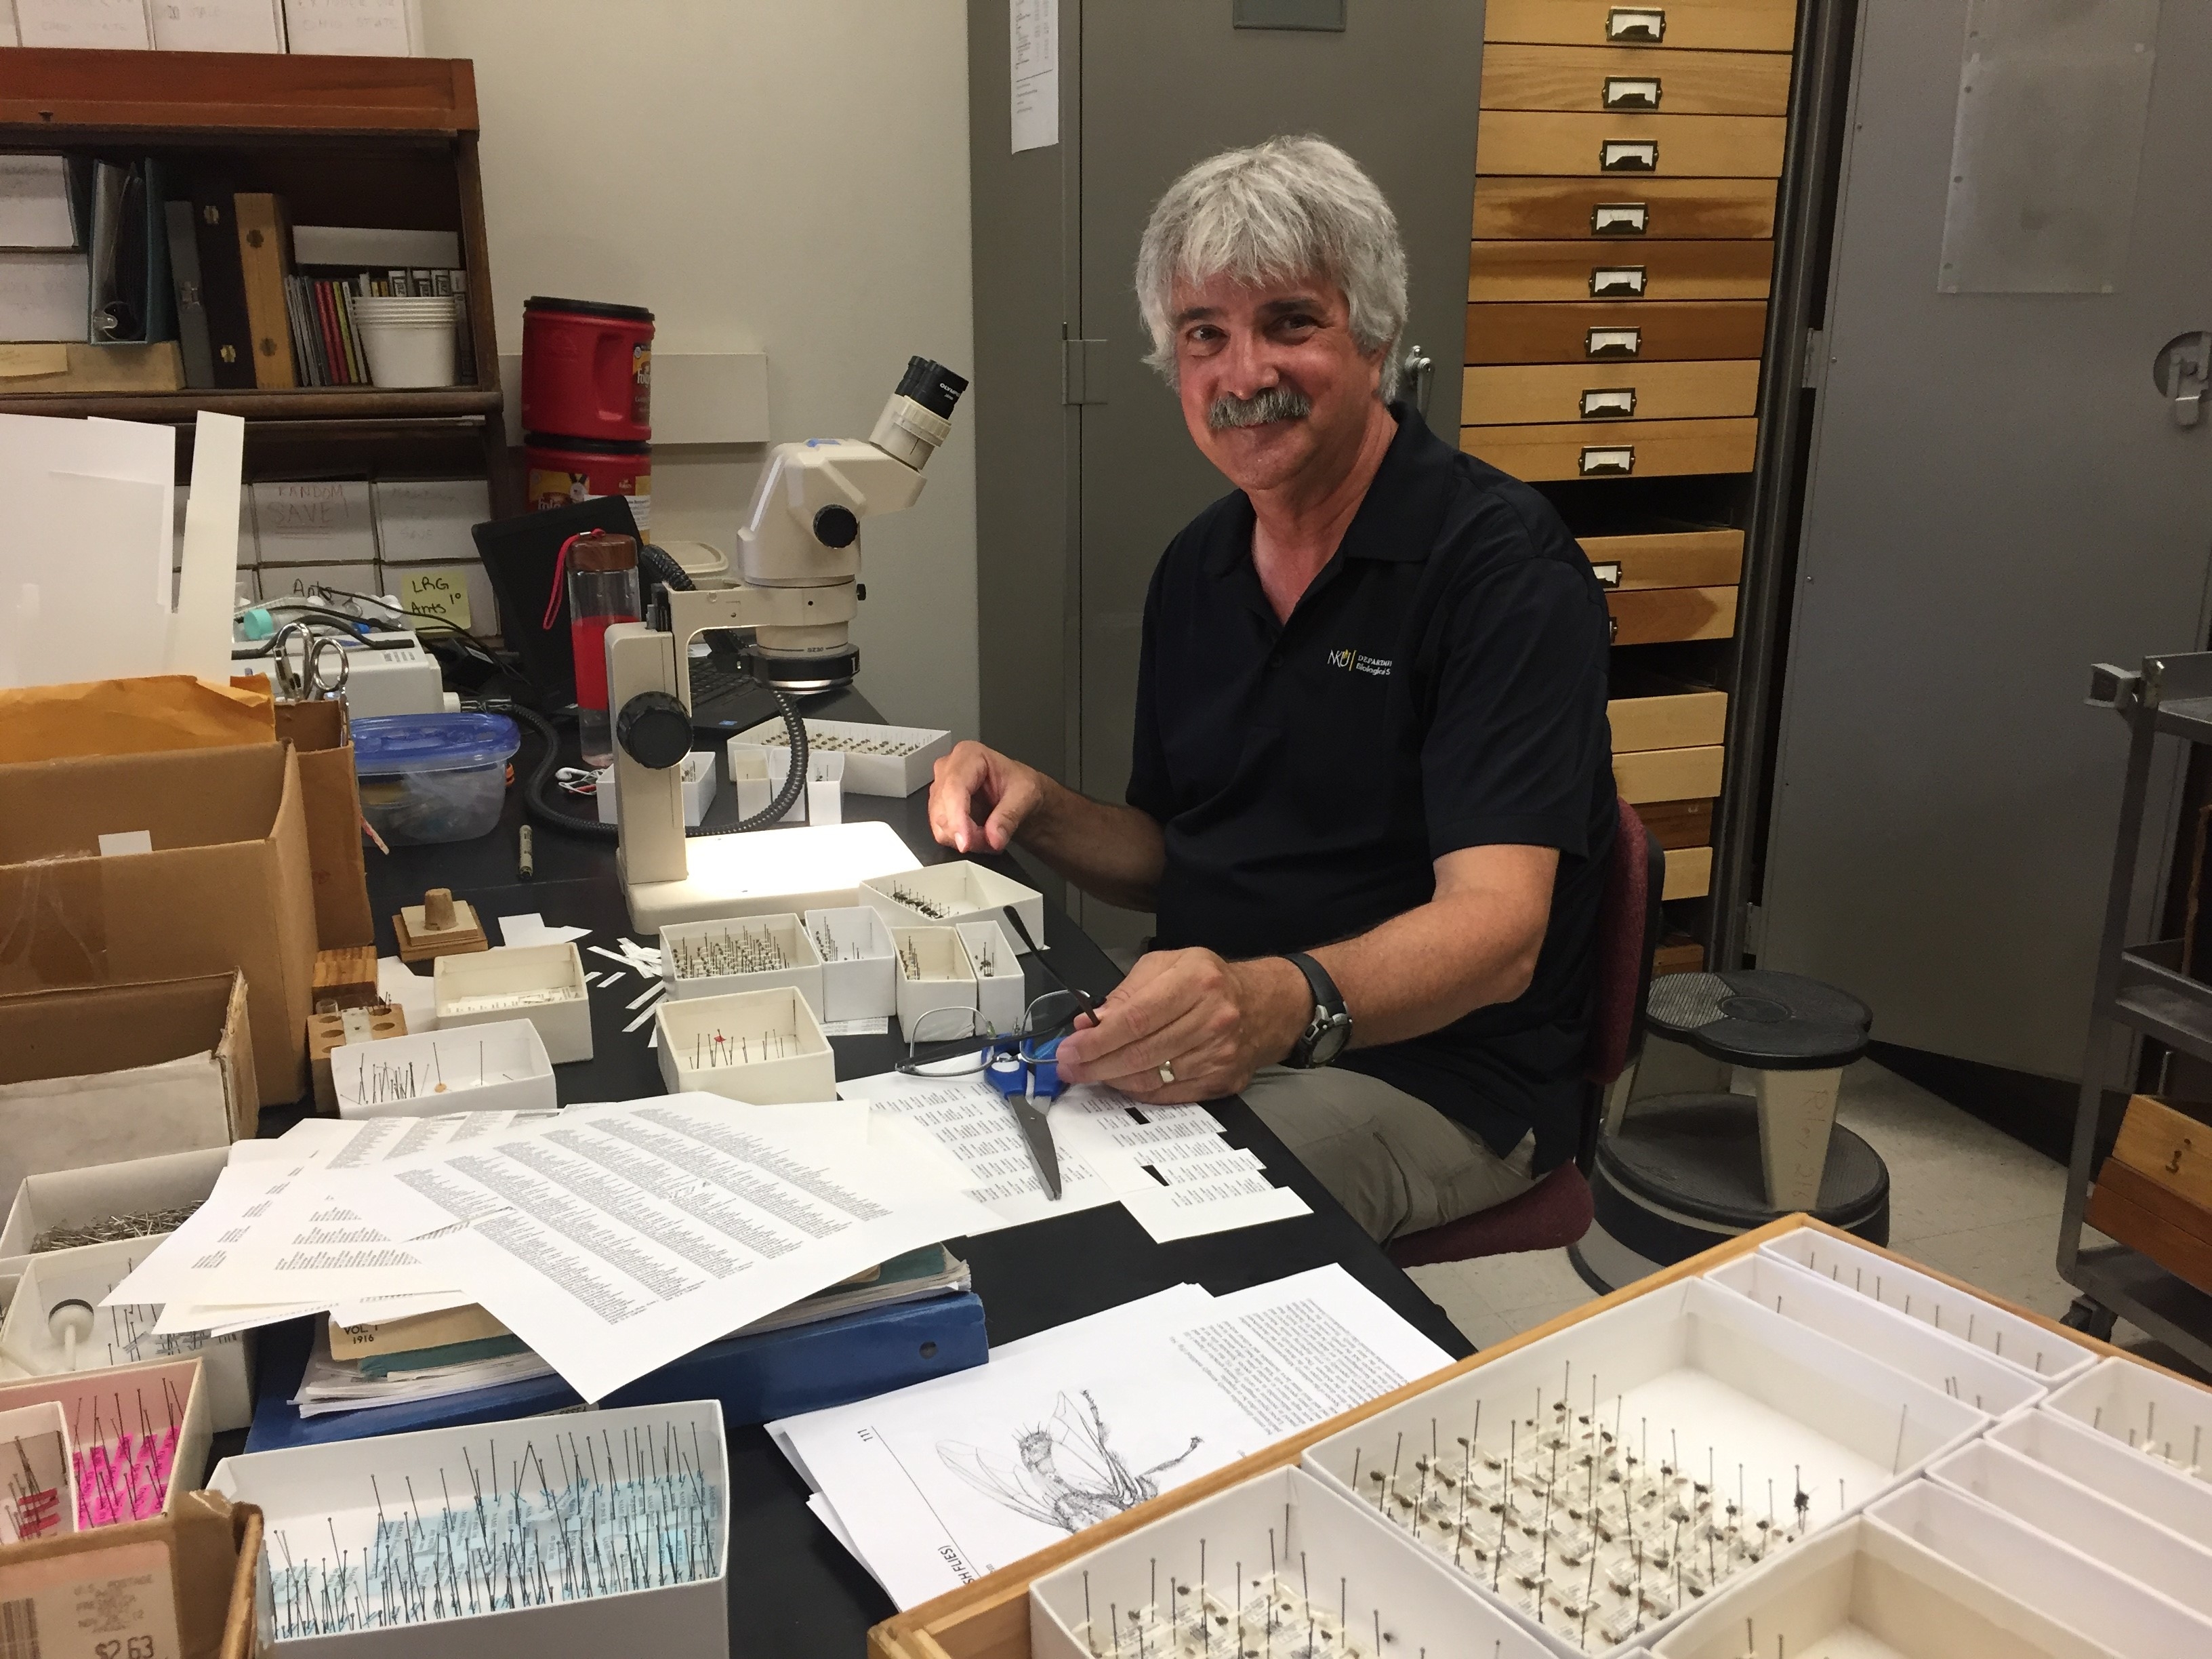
x=1610 y=404
x=1607 y=460
x=1620 y=219
x=1615 y=341
x=1628 y=155
x=1632 y=91
x=1617 y=283
x=1636 y=26
x=1608 y=574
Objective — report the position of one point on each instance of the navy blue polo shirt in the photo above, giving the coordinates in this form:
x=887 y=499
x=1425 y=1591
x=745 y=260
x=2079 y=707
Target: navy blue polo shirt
x=1440 y=685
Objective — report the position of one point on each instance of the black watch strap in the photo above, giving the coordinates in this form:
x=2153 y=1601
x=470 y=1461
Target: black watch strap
x=1329 y=1028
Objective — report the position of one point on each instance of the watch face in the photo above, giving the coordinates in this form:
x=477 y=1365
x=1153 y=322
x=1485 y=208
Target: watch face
x=1330 y=1043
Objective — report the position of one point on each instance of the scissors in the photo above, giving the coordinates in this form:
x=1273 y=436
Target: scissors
x=307 y=683
x=1026 y=1071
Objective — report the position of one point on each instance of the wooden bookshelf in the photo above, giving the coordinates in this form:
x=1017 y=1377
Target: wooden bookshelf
x=388 y=143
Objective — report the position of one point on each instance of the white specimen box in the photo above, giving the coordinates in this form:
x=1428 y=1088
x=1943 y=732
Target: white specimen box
x=757 y=772
x=1860 y=1591
x=803 y=964
x=780 y=1057
x=428 y=521
x=2041 y=1352
x=1690 y=1370
x=312 y=1492
x=165 y=1391
x=1939 y=1358
x=2144 y=1485
x=859 y=966
x=1002 y=995
x=322 y=522
x=2127 y=1619
x=499 y=1066
x=121 y=1336
x=951 y=892
x=541 y=983
x=78 y=1198
x=249 y=545
x=2154 y=1410
x=702 y=782
x=933 y=975
x=1316 y=1532
x=2099 y=1527
x=908 y=763
x=300 y=581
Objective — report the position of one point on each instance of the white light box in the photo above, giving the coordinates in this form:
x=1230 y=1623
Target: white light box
x=954 y=891
x=2143 y=1485
x=1939 y=1358
x=541 y=983
x=2155 y=1412
x=762 y=1047
x=2098 y=1526
x=2043 y=1353
x=1201 y=1580
x=2045 y=1573
x=610 y=1506
x=935 y=984
x=81 y=1198
x=743 y=953
x=859 y=962
x=1633 y=1463
x=1860 y=1591
x=33 y=1339
x=498 y=1067
x=880 y=760
x=1001 y=987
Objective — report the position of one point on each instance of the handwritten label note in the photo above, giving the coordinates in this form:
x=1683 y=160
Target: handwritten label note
x=437 y=592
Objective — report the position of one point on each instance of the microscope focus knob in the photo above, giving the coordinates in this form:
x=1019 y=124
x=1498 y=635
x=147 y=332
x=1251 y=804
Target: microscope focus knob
x=655 y=730
x=837 y=526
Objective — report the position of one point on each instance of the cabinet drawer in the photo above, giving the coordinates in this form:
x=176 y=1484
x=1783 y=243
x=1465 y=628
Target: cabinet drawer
x=1571 y=271
x=1660 y=616
x=1622 y=332
x=1602 y=393
x=1687 y=719
x=1678 y=823
x=1604 y=80
x=1610 y=210
x=1675 y=558
x=1689 y=872
x=1668 y=774
x=1705 y=25
x=1656 y=449
x=1628 y=147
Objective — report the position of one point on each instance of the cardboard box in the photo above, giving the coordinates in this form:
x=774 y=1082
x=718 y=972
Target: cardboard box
x=332 y=792
x=226 y=884
x=182 y=1584
x=167 y=1391
x=138 y=1070
x=82 y=1197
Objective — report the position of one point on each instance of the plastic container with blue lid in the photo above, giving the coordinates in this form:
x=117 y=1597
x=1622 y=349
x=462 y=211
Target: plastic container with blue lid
x=432 y=778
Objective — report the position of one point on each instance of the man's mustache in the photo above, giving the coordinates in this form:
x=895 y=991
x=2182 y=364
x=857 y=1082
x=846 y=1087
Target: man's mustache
x=1274 y=402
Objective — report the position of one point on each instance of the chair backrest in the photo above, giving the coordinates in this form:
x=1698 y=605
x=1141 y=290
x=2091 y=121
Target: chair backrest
x=1628 y=926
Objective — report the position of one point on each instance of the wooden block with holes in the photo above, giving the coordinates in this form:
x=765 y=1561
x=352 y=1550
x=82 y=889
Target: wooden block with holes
x=442 y=925
x=345 y=978
x=2155 y=1193
x=332 y=1031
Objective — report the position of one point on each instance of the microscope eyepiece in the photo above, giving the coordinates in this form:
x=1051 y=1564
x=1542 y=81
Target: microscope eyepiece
x=932 y=386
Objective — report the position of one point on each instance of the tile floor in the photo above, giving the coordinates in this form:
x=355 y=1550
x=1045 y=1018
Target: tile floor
x=1963 y=1198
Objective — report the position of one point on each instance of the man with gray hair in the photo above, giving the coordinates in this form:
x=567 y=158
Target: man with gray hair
x=1371 y=802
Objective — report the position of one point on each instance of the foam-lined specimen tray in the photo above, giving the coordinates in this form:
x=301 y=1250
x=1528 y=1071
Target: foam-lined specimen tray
x=1280 y=1564
x=859 y=962
x=1939 y=1358
x=2047 y=1574
x=2143 y=1485
x=162 y=1404
x=762 y=1047
x=2042 y=1352
x=1863 y=1592
x=745 y=953
x=1636 y=1459
x=541 y=983
x=945 y=893
x=499 y=1067
x=880 y=760
x=2154 y=1412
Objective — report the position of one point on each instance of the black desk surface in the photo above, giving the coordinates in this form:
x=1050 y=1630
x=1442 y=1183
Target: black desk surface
x=793 y=1588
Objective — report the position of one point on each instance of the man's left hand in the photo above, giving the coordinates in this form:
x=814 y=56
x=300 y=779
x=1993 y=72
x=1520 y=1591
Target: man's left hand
x=1212 y=1022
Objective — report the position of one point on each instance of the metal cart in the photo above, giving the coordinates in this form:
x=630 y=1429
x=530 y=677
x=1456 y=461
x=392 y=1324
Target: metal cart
x=2143 y=990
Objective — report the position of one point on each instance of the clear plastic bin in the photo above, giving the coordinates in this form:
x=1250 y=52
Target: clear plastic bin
x=430 y=778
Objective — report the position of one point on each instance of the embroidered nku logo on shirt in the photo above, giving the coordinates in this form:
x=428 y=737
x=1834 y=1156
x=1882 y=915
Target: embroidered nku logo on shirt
x=1359 y=662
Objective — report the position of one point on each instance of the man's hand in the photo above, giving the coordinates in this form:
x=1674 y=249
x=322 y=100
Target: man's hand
x=1213 y=1023
x=980 y=798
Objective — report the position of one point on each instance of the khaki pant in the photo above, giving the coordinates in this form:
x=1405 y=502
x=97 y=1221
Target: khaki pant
x=1397 y=1164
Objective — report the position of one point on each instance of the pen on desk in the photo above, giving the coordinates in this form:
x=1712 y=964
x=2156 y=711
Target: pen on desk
x=525 y=864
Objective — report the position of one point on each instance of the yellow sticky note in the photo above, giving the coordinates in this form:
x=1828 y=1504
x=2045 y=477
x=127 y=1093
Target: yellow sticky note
x=437 y=591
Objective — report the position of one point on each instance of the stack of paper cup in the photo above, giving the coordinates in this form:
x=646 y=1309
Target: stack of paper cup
x=408 y=340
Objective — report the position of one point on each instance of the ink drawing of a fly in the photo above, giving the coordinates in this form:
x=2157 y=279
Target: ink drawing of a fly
x=1064 y=1474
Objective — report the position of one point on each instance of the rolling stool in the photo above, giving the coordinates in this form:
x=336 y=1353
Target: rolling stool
x=1686 y=1172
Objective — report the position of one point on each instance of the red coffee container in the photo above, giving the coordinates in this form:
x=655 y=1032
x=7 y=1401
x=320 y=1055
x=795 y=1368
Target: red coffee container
x=561 y=471
x=587 y=370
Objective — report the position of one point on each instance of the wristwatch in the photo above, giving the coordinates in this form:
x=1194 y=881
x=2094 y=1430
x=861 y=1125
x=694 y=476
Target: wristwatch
x=1330 y=1028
